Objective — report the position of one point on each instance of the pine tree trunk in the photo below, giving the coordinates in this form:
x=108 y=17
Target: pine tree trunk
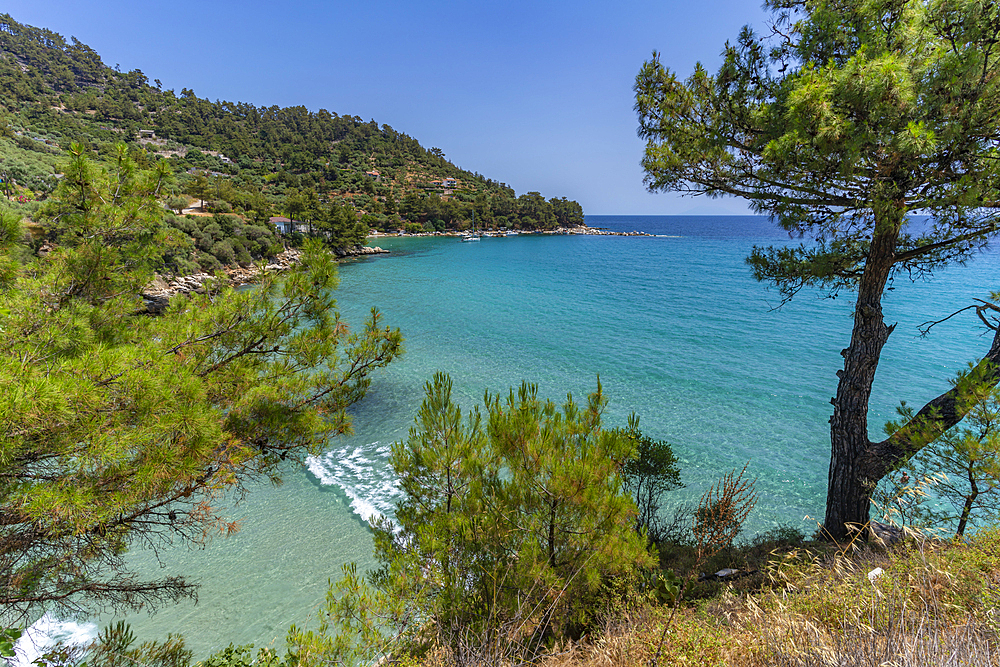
x=848 y=499
x=969 y=501
x=856 y=463
x=964 y=519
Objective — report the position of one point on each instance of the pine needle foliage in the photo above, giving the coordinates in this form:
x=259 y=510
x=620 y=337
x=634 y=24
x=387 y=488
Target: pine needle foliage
x=121 y=430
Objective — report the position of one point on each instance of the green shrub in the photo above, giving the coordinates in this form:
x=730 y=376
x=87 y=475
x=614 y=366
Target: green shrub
x=242 y=256
x=224 y=251
x=208 y=262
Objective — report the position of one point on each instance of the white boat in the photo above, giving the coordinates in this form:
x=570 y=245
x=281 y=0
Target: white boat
x=466 y=238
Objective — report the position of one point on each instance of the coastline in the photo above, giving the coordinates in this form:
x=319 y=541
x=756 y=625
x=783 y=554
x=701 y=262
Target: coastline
x=158 y=293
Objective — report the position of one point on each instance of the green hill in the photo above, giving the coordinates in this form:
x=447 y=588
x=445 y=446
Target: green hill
x=339 y=172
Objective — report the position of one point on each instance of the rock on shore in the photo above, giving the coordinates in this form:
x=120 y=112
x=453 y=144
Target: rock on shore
x=360 y=250
x=594 y=231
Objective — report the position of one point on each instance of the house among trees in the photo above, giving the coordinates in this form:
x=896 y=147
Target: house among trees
x=282 y=224
x=374 y=175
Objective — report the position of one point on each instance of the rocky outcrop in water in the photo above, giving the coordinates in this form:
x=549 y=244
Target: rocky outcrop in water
x=594 y=231
x=359 y=251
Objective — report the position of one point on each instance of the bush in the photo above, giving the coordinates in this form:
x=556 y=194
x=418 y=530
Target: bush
x=224 y=251
x=231 y=225
x=257 y=232
x=186 y=225
x=650 y=472
x=242 y=256
x=184 y=267
x=212 y=228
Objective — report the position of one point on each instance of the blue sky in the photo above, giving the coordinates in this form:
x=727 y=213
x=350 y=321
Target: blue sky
x=535 y=94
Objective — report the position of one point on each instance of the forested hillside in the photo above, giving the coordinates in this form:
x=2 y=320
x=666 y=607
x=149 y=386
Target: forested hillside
x=340 y=173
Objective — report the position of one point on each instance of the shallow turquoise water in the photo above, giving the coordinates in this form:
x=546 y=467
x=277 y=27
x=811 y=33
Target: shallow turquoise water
x=674 y=326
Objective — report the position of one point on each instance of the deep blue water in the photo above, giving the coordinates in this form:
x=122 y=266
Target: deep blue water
x=674 y=326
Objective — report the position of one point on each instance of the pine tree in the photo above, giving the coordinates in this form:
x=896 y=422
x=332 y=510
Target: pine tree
x=123 y=430
x=841 y=122
x=508 y=527
x=958 y=472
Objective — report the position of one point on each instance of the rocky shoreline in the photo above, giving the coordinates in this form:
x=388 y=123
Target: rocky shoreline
x=158 y=293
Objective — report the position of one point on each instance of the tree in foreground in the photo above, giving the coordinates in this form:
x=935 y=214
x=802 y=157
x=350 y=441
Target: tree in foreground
x=956 y=476
x=511 y=530
x=122 y=430
x=844 y=119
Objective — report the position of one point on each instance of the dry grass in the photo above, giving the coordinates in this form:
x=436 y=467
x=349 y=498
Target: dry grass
x=925 y=604
x=933 y=604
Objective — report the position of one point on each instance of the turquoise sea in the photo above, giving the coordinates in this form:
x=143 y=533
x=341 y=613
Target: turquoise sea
x=674 y=326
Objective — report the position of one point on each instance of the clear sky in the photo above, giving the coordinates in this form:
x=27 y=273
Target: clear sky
x=535 y=94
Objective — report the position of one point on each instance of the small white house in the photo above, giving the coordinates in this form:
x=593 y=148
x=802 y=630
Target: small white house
x=282 y=224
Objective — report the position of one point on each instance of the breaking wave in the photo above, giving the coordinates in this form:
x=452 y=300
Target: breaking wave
x=45 y=633
x=364 y=475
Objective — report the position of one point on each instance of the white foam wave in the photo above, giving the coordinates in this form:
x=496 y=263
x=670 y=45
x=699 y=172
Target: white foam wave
x=47 y=632
x=365 y=476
